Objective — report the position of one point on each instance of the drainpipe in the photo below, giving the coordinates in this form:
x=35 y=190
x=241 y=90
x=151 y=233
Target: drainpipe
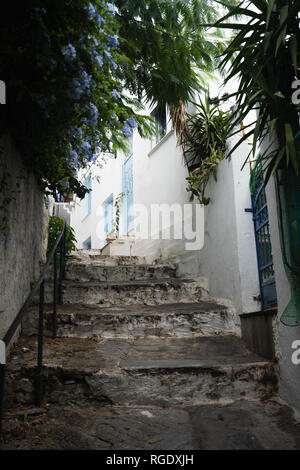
x=288 y=209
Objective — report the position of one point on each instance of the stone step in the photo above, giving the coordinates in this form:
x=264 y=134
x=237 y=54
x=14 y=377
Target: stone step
x=159 y=372
x=95 y=256
x=240 y=425
x=119 y=247
x=97 y=272
x=133 y=321
x=151 y=292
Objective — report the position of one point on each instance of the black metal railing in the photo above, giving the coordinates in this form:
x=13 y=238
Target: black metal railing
x=59 y=247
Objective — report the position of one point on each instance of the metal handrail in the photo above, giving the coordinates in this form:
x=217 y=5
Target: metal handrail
x=60 y=245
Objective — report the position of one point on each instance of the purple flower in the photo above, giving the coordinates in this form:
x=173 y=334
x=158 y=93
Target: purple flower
x=108 y=55
x=91 y=11
x=132 y=122
x=69 y=52
x=99 y=61
x=86 y=147
x=74 y=159
x=80 y=85
x=127 y=131
x=115 y=94
x=93 y=111
x=111 y=9
x=113 y=40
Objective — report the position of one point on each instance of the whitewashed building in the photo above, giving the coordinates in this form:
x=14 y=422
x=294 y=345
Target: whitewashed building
x=154 y=174
x=235 y=256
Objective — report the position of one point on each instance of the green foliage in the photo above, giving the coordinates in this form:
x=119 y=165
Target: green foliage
x=117 y=209
x=67 y=63
x=204 y=146
x=58 y=60
x=55 y=228
x=264 y=57
x=166 y=48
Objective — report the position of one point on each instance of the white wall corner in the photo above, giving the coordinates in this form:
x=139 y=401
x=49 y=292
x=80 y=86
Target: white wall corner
x=246 y=246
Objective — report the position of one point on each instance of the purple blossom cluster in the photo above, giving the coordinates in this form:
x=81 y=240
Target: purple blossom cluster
x=93 y=115
x=129 y=126
x=69 y=53
x=81 y=85
x=94 y=15
x=82 y=139
x=113 y=40
x=115 y=94
x=111 y=9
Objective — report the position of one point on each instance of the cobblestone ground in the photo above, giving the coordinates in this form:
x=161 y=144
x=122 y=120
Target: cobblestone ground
x=242 y=425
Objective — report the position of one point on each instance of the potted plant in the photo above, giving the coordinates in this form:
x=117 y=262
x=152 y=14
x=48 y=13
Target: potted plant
x=111 y=237
x=69 y=197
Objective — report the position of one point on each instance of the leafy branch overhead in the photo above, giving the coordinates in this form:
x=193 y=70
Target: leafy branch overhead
x=168 y=52
x=64 y=104
x=69 y=66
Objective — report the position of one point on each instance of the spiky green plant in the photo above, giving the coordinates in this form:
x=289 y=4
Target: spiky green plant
x=204 y=146
x=264 y=56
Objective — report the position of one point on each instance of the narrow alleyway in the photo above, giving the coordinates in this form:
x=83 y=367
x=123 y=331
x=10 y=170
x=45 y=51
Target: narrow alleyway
x=143 y=360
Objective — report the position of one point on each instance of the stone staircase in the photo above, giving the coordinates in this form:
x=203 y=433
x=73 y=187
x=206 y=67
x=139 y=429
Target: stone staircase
x=139 y=352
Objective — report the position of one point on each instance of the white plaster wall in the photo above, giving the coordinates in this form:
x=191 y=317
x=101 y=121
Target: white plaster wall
x=246 y=246
x=160 y=178
x=228 y=257
x=284 y=336
x=92 y=225
x=26 y=247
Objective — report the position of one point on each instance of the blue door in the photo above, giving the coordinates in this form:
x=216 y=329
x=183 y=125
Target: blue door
x=263 y=240
x=128 y=193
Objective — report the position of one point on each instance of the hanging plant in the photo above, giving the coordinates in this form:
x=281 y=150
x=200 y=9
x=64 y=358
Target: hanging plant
x=204 y=146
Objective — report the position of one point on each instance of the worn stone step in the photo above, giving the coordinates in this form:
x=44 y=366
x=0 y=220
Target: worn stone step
x=160 y=372
x=151 y=292
x=98 y=272
x=133 y=321
x=95 y=256
x=239 y=425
